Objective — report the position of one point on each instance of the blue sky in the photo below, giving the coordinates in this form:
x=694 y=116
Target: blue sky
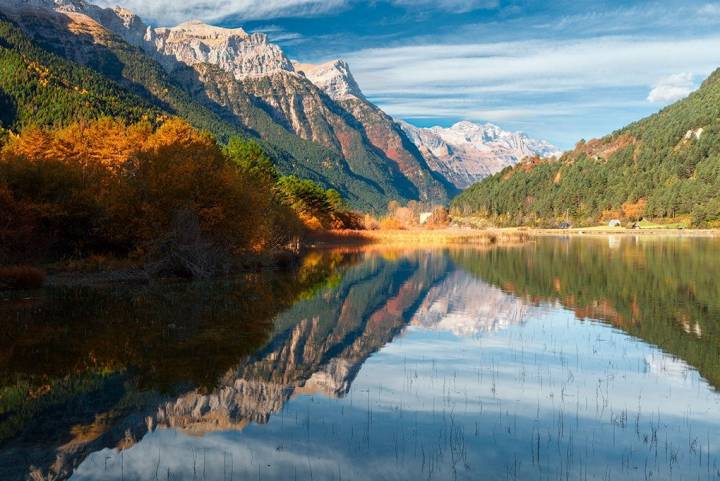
x=560 y=70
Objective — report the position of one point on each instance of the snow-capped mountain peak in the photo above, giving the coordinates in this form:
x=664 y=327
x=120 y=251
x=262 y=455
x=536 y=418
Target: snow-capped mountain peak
x=467 y=152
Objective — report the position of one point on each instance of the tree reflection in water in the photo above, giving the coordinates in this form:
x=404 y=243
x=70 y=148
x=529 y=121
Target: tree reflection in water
x=537 y=362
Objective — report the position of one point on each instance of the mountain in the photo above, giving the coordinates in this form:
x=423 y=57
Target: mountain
x=230 y=82
x=467 y=152
x=336 y=80
x=292 y=93
x=664 y=166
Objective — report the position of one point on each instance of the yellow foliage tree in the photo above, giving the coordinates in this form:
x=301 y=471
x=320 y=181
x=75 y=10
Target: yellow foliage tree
x=634 y=210
x=105 y=186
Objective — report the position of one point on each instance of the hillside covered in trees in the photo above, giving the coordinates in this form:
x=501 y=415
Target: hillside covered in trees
x=664 y=166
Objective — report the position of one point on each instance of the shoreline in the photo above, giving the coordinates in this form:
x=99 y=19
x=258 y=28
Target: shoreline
x=453 y=236
x=607 y=231
x=418 y=238
x=358 y=240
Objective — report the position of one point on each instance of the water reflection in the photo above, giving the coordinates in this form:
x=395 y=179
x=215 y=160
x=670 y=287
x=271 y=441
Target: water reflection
x=539 y=362
x=462 y=305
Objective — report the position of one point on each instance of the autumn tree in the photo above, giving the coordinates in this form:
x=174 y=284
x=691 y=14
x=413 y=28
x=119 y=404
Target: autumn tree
x=104 y=186
x=634 y=210
x=440 y=216
x=170 y=195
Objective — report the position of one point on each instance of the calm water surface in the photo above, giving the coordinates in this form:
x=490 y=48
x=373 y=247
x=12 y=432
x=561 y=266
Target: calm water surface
x=582 y=359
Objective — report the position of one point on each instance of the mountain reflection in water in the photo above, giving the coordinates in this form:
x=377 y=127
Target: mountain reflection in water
x=572 y=359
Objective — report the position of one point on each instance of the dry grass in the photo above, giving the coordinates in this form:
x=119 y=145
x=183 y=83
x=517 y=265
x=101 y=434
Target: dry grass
x=423 y=237
x=21 y=277
x=418 y=237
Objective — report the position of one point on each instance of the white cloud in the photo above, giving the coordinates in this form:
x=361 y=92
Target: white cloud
x=710 y=9
x=612 y=61
x=671 y=88
x=442 y=79
x=455 y=6
x=168 y=12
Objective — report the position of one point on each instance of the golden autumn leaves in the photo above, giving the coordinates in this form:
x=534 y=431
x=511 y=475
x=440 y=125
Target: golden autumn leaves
x=106 y=187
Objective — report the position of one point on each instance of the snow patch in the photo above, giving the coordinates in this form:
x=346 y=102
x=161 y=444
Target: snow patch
x=467 y=152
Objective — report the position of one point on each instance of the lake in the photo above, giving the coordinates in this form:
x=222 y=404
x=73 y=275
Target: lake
x=563 y=358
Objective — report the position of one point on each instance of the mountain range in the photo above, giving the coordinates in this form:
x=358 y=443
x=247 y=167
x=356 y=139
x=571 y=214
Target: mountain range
x=466 y=152
x=65 y=59
x=223 y=80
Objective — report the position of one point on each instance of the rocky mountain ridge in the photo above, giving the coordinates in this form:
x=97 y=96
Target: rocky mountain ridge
x=250 y=84
x=292 y=91
x=334 y=78
x=468 y=152
x=233 y=50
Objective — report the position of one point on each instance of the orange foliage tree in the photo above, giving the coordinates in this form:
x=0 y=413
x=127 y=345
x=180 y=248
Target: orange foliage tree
x=104 y=186
x=634 y=210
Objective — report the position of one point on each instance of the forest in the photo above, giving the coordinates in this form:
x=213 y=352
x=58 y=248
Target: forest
x=170 y=197
x=664 y=167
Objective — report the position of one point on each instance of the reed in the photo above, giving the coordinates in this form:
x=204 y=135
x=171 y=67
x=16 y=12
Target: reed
x=423 y=237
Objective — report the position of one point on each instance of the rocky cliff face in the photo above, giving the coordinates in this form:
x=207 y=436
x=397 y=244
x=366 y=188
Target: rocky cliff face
x=336 y=80
x=321 y=103
x=467 y=152
x=294 y=102
x=233 y=50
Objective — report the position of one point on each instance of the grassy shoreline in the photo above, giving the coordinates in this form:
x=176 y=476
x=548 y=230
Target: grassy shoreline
x=603 y=231
x=419 y=237
x=85 y=272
